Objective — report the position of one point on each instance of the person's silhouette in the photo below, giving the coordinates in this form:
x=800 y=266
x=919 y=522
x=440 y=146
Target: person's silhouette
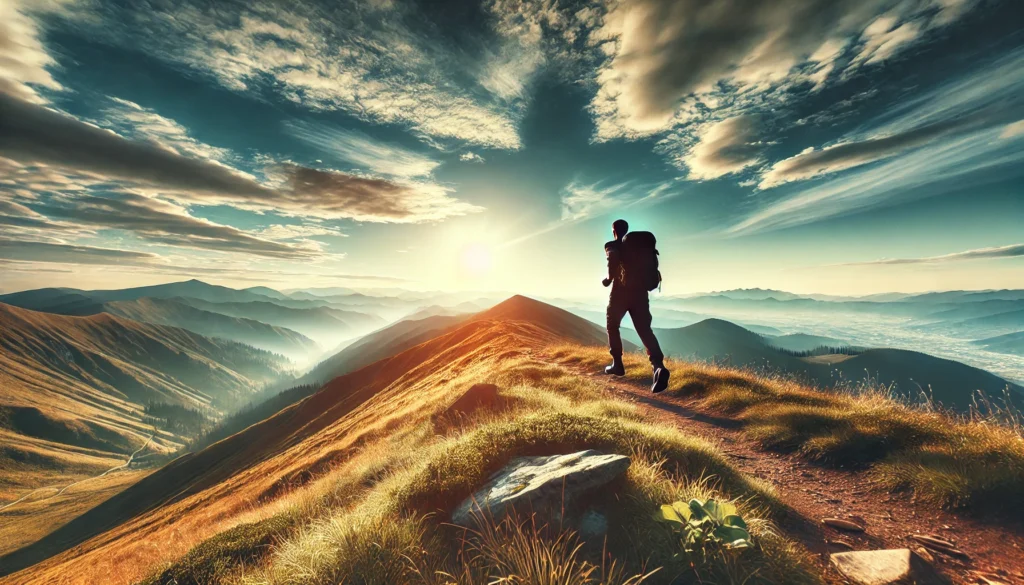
x=629 y=297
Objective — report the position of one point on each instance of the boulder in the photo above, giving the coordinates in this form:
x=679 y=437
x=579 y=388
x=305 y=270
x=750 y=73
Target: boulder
x=543 y=485
x=886 y=567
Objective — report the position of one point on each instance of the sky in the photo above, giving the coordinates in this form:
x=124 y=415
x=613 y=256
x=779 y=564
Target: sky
x=831 y=146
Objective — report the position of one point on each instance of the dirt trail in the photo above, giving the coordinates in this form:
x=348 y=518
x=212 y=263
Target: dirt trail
x=815 y=492
x=60 y=490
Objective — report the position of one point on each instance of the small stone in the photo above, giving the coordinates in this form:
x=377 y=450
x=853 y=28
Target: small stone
x=924 y=554
x=885 y=567
x=843 y=524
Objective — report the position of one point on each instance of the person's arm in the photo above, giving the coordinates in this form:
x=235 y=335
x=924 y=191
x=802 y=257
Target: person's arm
x=612 y=253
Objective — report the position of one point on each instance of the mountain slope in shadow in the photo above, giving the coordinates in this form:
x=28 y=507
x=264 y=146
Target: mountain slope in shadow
x=72 y=389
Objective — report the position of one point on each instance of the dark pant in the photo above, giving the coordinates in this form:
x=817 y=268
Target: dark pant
x=639 y=308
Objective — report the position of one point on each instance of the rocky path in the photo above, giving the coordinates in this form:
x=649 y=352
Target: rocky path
x=992 y=554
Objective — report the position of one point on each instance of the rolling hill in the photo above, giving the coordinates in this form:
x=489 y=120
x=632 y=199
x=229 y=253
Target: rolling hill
x=58 y=300
x=298 y=444
x=175 y=313
x=952 y=383
x=390 y=340
x=319 y=323
x=72 y=389
x=299 y=491
x=1010 y=343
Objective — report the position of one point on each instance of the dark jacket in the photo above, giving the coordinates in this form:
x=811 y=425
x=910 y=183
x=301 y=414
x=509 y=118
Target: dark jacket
x=613 y=251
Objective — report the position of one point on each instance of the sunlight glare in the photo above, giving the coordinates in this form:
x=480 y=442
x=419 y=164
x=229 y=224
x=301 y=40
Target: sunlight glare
x=476 y=258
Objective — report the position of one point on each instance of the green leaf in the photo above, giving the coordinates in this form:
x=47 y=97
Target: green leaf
x=731 y=533
x=682 y=509
x=734 y=520
x=668 y=514
x=697 y=509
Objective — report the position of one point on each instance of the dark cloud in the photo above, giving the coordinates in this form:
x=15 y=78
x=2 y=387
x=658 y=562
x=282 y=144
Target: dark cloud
x=31 y=251
x=161 y=222
x=34 y=133
x=1011 y=251
x=337 y=194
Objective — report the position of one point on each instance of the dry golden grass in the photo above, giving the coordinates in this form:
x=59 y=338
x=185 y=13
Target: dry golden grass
x=359 y=488
x=947 y=460
x=37 y=516
x=395 y=534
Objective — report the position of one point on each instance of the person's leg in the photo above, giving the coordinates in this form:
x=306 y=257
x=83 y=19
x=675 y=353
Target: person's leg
x=616 y=311
x=640 y=313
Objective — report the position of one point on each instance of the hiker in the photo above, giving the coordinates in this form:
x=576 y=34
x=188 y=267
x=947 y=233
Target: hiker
x=632 y=273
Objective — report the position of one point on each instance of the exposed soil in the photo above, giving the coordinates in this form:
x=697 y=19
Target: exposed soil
x=994 y=554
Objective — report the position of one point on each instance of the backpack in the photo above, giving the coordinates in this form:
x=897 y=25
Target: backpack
x=640 y=261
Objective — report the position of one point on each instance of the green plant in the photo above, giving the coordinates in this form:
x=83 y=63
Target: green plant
x=705 y=527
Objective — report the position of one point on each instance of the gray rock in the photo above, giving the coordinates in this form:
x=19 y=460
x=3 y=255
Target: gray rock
x=886 y=567
x=544 y=484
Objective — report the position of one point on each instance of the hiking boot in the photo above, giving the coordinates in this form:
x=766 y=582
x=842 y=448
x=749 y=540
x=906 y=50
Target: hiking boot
x=616 y=369
x=660 y=379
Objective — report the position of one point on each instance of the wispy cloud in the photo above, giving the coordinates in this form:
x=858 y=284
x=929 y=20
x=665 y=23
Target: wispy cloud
x=471 y=157
x=665 y=58
x=723 y=148
x=34 y=134
x=32 y=251
x=364 y=59
x=363 y=151
x=1011 y=251
x=582 y=201
x=937 y=140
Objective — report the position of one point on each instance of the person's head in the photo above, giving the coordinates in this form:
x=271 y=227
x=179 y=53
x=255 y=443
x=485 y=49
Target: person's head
x=619 y=228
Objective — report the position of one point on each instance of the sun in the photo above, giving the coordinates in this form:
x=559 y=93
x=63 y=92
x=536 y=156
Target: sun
x=477 y=258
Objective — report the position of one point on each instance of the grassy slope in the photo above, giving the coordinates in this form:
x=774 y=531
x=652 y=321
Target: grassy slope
x=358 y=476
x=947 y=461
x=950 y=383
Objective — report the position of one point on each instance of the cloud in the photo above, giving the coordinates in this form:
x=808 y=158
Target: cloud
x=723 y=148
x=940 y=140
x=1011 y=251
x=582 y=201
x=664 y=56
x=23 y=59
x=471 y=157
x=369 y=61
x=811 y=163
x=1013 y=130
x=341 y=195
x=128 y=118
x=164 y=223
x=32 y=251
x=31 y=133
x=361 y=150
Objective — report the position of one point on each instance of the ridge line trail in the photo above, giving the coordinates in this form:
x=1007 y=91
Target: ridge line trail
x=815 y=491
x=61 y=490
